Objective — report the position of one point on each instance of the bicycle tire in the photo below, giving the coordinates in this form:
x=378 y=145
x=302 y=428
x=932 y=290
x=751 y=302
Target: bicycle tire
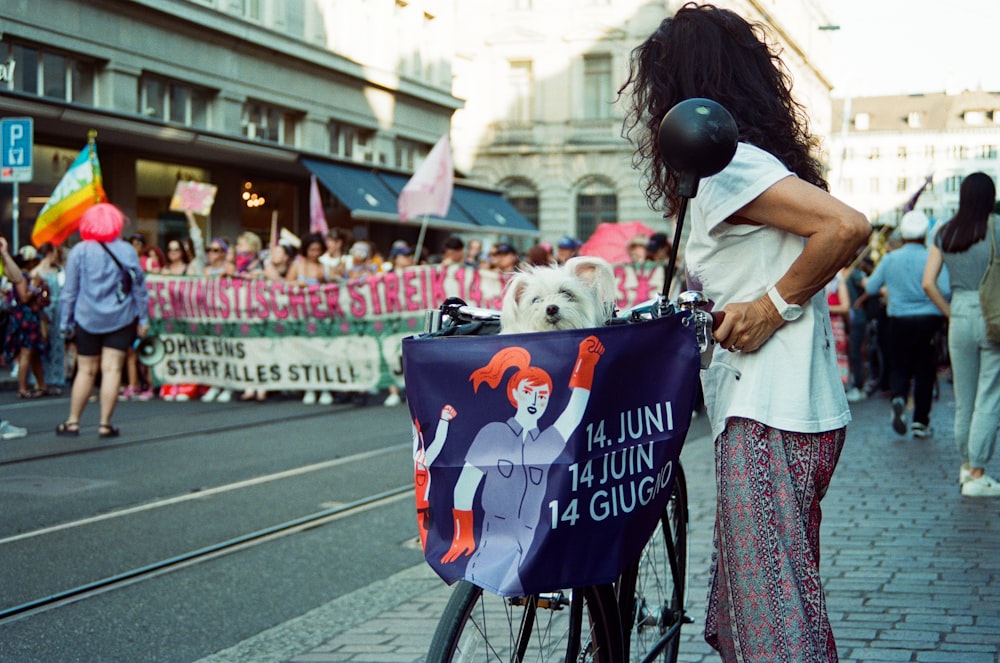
x=483 y=627
x=651 y=591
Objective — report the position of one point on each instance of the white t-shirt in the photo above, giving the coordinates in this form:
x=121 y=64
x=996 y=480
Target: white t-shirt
x=792 y=382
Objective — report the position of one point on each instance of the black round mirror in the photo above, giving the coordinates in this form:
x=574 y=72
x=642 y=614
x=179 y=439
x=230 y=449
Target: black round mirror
x=697 y=138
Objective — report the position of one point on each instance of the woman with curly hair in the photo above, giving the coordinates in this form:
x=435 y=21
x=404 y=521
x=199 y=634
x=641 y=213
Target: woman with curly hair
x=765 y=239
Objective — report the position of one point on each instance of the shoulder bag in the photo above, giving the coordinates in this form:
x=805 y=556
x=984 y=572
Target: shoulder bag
x=128 y=279
x=989 y=288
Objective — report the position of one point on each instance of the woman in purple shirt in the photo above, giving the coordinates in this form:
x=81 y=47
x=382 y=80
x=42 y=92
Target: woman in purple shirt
x=101 y=318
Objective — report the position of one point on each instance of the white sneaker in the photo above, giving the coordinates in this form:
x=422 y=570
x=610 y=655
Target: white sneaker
x=309 y=398
x=392 y=400
x=964 y=475
x=225 y=395
x=210 y=395
x=181 y=398
x=984 y=486
x=921 y=431
x=325 y=398
x=854 y=395
x=9 y=431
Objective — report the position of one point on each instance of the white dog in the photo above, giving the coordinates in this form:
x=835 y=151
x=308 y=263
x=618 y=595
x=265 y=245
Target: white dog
x=577 y=295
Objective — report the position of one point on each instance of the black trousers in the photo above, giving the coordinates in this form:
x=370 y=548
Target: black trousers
x=912 y=359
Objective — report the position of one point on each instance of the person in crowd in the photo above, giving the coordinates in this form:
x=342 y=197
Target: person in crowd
x=504 y=258
x=247 y=259
x=218 y=263
x=140 y=379
x=778 y=433
x=963 y=245
x=637 y=249
x=306 y=271
x=913 y=322
x=540 y=255
x=839 y=302
x=453 y=251
x=50 y=270
x=854 y=277
x=474 y=252
x=153 y=259
x=194 y=246
x=336 y=258
x=101 y=319
x=279 y=261
x=12 y=272
x=400 y=257
x=567 y=247
x=362 y=263
x=27 y=335
x=658 y=248
x=177 y=259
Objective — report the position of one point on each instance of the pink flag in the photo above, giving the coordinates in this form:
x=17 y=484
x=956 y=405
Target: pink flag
x=429 y=190
x=317 y=220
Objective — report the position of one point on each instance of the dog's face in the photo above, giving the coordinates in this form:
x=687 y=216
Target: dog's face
x=578 y=295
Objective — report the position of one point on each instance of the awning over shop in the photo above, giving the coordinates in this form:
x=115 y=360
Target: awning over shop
x=372 y=194
x=357 y=188
x=493 y=212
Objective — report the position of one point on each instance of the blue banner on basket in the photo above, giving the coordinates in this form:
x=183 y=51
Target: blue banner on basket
x=543 y=461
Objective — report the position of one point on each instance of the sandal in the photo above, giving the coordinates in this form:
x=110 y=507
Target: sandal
x=30 y=393
x=68 y=428
x=107 y=430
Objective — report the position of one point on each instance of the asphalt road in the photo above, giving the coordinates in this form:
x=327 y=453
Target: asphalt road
x=184 y=477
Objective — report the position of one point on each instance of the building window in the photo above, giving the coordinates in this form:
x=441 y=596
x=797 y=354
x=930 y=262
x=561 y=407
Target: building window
x=901 y=184
x=915 y=120
x=268 y=123
x=49 y=73
x=988 y=152
x=521 y=86
x=952 y=184
x=352 y=142
x=171 y=101
x=901 y=152
x=406 y=153
x=523 y=197
x=874 y=153
x=929 y=152
x=975 y=118
x=597 y=92
x=873 y=185
x=862 y=121
x=596 y=203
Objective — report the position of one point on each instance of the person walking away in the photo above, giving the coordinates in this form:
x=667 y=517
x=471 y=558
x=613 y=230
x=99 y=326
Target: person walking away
x=27 y=335
x=857 y=322
x=765 y=238
x=913 y=321
x=963 y=246
x=102 y=319
x=838 y=299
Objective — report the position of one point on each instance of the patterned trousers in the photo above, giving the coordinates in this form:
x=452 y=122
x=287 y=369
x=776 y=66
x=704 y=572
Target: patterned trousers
x=766 y=601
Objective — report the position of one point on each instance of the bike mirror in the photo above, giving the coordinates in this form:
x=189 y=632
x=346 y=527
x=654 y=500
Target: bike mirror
x=697 y=138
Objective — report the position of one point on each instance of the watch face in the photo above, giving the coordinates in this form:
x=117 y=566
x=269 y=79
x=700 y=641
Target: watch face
x=792 y=312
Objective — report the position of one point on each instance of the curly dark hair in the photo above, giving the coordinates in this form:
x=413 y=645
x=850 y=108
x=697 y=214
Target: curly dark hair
x=704 y=51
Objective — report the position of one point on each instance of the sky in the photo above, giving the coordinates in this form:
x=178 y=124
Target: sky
x=904 y=46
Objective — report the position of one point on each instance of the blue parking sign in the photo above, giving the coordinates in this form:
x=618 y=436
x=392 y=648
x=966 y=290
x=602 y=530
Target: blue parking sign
x=16 y=143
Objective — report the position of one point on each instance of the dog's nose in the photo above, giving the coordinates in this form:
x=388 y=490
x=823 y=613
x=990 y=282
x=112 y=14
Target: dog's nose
x=551 y=309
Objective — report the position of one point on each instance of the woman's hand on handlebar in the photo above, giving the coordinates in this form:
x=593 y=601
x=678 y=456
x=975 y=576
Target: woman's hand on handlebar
x=747 y=325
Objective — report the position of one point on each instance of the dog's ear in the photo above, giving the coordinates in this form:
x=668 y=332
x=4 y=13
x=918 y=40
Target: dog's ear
x=515 y=288
x=596 y=273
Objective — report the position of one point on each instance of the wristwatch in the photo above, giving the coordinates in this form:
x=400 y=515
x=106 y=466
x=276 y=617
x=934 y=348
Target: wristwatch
x=788 y=312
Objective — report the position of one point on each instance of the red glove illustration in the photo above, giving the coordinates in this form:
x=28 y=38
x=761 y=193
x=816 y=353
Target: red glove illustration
x=463 y=542
x=591 y=350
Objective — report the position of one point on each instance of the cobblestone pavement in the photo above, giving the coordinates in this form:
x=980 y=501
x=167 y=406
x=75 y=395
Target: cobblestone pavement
x=911 y=568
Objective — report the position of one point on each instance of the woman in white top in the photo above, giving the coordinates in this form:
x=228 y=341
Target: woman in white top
x=765 y=239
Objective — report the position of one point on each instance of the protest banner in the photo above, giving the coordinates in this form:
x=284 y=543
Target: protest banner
x=194 y=197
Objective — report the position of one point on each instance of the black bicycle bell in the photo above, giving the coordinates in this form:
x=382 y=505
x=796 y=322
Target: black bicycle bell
x=697 y=138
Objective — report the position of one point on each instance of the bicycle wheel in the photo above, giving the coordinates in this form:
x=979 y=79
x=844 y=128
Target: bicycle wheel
x=570 y=625
x=651 y=592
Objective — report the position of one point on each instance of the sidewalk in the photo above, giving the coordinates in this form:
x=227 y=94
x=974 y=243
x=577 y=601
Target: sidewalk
x=911 y=568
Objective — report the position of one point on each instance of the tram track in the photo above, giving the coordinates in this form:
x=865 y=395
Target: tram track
x=203 y=554
x=167 y=436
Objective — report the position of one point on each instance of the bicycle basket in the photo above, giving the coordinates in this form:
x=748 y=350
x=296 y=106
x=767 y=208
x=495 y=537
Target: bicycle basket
x=571 y=500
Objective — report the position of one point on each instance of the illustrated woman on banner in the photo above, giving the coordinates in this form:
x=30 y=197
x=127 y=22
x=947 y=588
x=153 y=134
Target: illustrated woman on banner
x=511 y=459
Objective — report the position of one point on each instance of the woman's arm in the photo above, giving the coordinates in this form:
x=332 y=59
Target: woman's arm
x=833 y=232
x=932 y=269
x=13 y=272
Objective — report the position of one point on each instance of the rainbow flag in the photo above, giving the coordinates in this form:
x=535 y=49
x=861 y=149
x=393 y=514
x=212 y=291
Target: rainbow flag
x=80 y=188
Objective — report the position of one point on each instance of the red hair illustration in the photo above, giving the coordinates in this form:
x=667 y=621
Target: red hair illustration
x=513 y=357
